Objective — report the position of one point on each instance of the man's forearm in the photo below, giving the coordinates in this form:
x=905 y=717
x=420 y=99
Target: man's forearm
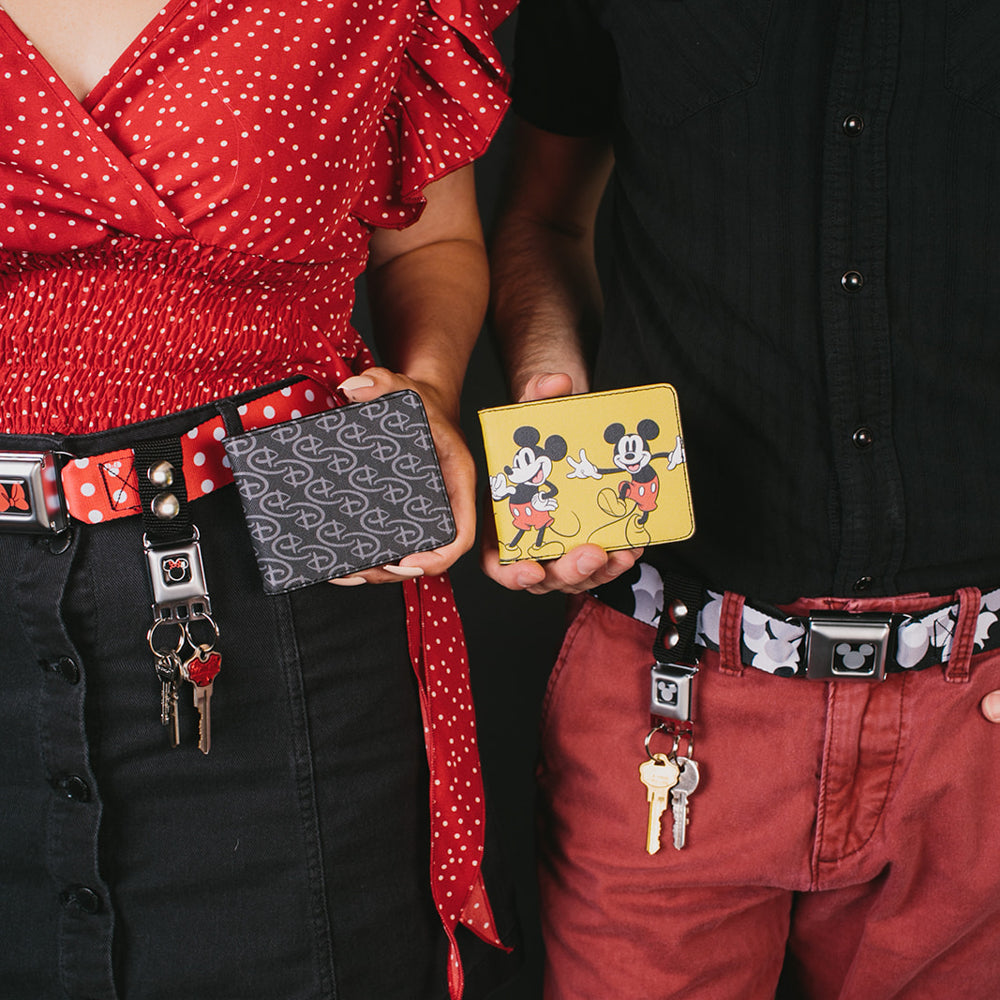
x=546 y=299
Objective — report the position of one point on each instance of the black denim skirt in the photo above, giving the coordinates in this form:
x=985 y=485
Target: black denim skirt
x=291 y=863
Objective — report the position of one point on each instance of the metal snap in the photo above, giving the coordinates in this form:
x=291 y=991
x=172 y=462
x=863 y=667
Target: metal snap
x=166 y=506
x=161 y=474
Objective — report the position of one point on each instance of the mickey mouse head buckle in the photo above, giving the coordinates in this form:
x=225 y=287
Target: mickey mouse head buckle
x=840 y=645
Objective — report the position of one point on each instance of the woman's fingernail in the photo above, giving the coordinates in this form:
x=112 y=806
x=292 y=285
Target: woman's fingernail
x=348 y=581
x=409 y=572
x=991 y=706
x=356 y=382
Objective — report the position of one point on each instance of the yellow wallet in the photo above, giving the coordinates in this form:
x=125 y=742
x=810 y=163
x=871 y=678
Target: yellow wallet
x=606 y=468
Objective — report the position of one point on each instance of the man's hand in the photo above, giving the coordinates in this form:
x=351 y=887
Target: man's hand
x=990 y=706
x=582 y=568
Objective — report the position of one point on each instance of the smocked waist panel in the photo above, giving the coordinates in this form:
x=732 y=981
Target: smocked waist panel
x=135 y=329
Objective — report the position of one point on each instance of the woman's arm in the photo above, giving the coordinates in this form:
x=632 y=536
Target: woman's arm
x=428 y=287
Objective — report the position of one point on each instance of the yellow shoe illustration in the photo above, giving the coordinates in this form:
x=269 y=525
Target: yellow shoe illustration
x=636 y=534
x=611 y=503
x=547 y=550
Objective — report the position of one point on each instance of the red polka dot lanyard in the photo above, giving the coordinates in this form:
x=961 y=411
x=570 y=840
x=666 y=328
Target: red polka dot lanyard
x=437 y=649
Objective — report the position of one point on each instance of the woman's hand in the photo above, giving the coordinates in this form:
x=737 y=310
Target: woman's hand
x=457 y=467
x=427 y=288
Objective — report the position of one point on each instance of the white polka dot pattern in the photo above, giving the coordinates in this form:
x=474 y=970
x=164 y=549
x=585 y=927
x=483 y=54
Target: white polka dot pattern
x=437 y=648
x=199 y=220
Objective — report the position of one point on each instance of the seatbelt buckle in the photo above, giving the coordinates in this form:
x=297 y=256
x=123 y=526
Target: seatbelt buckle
x=31 y=497
x=841 y=645
x=177 y=578
x=671 y=693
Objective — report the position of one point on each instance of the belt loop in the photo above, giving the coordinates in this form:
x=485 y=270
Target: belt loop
x=159 y=468
x=963 y=638
x=731 y=634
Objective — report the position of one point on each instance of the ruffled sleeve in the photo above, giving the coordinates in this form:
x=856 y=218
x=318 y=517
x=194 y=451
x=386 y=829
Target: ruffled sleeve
x=449 y=99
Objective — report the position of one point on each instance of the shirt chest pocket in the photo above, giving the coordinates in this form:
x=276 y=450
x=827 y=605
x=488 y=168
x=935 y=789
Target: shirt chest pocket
x=677 y=57
x=972 y=52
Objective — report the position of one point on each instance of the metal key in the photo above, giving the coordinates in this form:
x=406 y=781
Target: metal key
x=168 y=669
x=687 y=782
x=201 y=670
x=659 y=774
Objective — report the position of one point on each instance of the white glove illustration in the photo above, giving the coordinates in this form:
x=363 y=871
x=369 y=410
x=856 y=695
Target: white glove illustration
x=543 y=501
x=499 y=487
x=676 y=457
x=584 y=468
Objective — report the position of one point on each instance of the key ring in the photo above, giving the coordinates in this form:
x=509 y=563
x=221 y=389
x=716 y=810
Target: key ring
x=166 y=651
x=186 y=632
x=677 y=732
x=669 y=731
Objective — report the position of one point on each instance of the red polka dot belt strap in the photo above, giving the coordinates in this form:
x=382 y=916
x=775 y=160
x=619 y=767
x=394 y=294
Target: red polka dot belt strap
x=107 y=486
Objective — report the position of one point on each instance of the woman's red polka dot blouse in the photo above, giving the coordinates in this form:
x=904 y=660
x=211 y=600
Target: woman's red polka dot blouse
x=194 y=227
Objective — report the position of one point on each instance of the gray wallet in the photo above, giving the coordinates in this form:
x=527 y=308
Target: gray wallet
x=341 y=491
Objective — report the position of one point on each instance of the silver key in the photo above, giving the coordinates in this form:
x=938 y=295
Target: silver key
x=659 y=774
x=687 y=782
x=201 y=670
x=168 y=669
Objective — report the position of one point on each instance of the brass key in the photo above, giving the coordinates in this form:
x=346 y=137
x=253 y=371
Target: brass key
x=659 y=774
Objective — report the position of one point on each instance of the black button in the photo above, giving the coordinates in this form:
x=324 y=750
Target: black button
x=862 y=584
x=64 y=667
x=79 y=897
x=853 y=125
x=58 y=544
x=72 y=786
x=863 y=437
x=853 y=281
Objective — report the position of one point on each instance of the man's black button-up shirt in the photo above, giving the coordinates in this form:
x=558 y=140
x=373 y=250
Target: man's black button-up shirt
x=806 y=243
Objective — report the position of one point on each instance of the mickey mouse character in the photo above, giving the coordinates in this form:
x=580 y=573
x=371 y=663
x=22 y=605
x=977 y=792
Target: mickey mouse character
x=532 y=494
x=632 y=455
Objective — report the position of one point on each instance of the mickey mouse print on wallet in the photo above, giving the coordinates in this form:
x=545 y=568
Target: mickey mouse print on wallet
x=607 y=468
x=342 y=491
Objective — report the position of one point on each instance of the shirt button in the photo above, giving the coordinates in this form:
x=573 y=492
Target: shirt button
x=79 y=897
x=64 y=667
x=72 y=786
x=863 y=438
x=853 y=281
x=853 y=125
x=862 y=584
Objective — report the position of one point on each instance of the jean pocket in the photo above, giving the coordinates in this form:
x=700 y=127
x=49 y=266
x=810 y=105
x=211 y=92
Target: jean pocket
x=972 y=62
x=678 y=57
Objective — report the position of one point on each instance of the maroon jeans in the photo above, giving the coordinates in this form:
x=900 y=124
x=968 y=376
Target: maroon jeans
x=848 y=832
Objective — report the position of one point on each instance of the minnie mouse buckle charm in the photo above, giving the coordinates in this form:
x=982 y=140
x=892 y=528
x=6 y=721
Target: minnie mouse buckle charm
x=177 y=578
